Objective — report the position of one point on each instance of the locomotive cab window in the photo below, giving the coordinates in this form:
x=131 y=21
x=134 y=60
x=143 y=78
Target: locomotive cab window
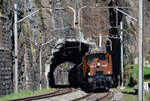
x=97 y=60
x=102 y=57
x=90 y=59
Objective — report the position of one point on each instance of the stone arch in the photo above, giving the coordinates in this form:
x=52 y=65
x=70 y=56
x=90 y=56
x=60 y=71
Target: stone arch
x=69 y=52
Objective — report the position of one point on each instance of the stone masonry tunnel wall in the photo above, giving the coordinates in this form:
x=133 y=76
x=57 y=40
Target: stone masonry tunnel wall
x=67 y=54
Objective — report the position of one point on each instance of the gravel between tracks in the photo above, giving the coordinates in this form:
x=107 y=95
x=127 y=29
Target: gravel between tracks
x=66 y=97
x=117 y=96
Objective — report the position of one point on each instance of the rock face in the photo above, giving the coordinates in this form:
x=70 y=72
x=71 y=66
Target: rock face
x=6 y=53
x=54 y=21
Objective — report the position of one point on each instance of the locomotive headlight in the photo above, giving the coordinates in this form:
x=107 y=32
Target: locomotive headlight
x=89 y=74
x=98 y=64
x=108 y=72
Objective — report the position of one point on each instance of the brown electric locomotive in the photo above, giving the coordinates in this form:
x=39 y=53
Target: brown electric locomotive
x=97 y=70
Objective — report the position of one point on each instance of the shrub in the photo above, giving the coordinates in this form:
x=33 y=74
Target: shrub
x=130 y=79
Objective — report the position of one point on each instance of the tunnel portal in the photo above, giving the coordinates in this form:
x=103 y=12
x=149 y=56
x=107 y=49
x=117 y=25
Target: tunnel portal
x=68 y=52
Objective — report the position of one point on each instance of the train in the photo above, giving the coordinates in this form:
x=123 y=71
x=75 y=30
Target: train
x=95 y=72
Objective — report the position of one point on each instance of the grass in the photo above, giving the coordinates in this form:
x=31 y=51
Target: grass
x=147 y=97
x=146 y=72
x=130 y=97
x=25 y=93
x=129 y=94
x=128 y=89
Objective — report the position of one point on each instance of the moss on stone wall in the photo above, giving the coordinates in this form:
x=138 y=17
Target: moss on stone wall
x=26 y=29
x=33 y=51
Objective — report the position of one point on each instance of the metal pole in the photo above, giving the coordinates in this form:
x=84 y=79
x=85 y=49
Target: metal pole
x=80 y=33
x=116 y=17
x=96 y=3
x=79 y=29
x=140 y=45
x=16 y=48
x=40 y=67
x=100 y=41
x=131 y=17
x=121 y=41
x=53 y=4
x=74 y=15
x=16 y=43
x=28 y=15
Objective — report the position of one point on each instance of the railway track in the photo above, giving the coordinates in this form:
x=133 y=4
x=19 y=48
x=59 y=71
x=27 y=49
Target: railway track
x=60 y=92
x=91 y=97
x=81 y=98
x=52 y=94
x=107 y=97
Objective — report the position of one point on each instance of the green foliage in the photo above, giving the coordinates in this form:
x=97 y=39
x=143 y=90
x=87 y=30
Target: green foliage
x=128 y=89
x=135 y=54
x=1 y=1
x=147 y=58
x=26 y=28
x=25 y=93
x=131 y=74
x=130 y=30
x=33 y=50
x=130 y=80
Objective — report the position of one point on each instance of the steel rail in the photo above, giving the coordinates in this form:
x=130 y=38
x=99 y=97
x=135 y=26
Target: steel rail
x=106 y=97
x=43 y=96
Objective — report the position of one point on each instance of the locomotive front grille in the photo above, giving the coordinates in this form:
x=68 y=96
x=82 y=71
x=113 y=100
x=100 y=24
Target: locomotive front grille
x=99 y=72
x=100 y=84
